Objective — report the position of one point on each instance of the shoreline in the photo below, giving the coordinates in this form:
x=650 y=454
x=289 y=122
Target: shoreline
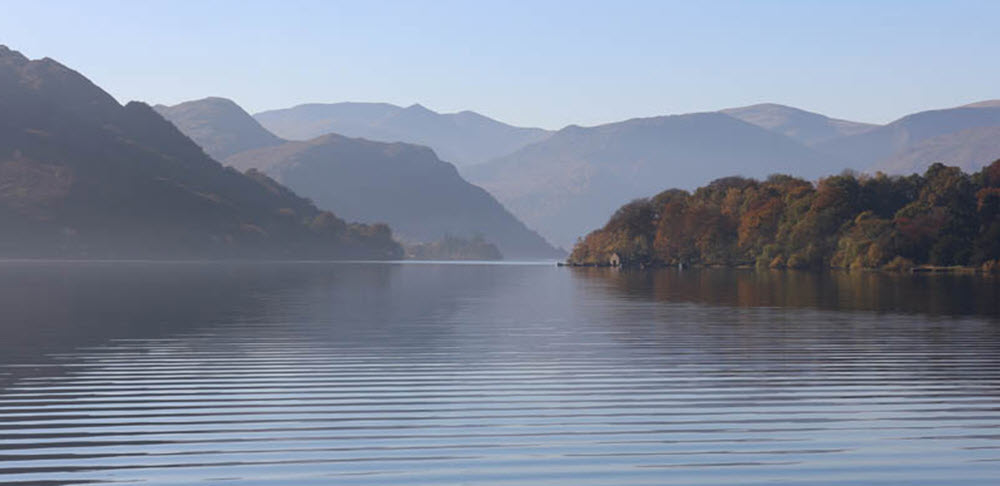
x=17 y=261
x=917 y=269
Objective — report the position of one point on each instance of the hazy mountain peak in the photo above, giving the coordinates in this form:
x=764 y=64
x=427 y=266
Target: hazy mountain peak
x=767 y=106
x=55 y=85
x=217 y=101
x=213 y=101
x=804 y=126
x=983 y=104
x=215 y=104
x=220 y=126
x=655 y=120
x=901 y=143
x=421 y=108
x=969 y=149
x=9 y=55
x=395 y=147
x=415 y=113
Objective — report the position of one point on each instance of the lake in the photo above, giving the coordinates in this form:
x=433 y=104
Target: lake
x=420 y=374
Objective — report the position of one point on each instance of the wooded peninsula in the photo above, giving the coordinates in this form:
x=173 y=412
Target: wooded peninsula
x=944 y=217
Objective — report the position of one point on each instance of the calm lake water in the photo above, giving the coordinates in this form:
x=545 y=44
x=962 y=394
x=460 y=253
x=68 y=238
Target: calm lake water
x=420 y=374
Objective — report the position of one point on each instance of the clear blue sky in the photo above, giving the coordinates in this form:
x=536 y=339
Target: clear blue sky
x=535 y=63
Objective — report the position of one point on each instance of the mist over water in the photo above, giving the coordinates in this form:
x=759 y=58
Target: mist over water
x=344 y=373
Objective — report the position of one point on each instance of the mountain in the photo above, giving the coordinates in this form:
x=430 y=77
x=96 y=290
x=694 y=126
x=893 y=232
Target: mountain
x=82 y=176
x=423 y=198
x=571 y=182
x=463 y=138
x=806 y=127
x=881 y=145
x=964 y=136
x=969 y=149
x=983 y=104
x=219 y=126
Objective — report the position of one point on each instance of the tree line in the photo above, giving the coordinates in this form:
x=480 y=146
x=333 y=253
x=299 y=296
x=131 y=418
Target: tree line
x=944 y=217
x=455 y=248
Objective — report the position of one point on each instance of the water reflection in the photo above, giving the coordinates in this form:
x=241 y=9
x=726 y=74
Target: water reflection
x=464 y=374
x=946 y=294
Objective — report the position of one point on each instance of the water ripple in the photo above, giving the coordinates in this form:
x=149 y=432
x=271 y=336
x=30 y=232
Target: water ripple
x=497 y=376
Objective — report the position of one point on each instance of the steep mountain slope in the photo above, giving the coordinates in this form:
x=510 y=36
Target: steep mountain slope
x=82 y=176
x=219 y=126
x=460 y=138
x=868 y=149
x=406 y=186
x=804 y=126
x=570 y=183
x=970 y=149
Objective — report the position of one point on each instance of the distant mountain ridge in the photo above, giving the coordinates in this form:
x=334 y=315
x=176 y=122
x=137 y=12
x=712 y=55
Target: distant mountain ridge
x=421 y=197
x=966 y=149
x=77 y=168
x=983 y=104
x=569 y=183
x=82 y=176
x=957 y=136
x=806 y=127
x=462 y=138
x=557 y=177
x=870 y=149
x=961 y=136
